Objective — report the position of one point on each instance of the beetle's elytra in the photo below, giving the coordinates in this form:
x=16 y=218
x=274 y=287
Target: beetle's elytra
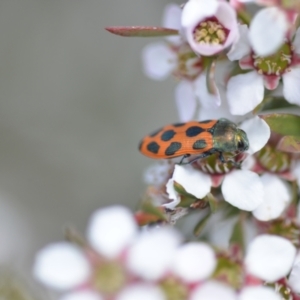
x=195 y=138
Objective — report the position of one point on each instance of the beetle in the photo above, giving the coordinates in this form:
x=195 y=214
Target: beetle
x=195 y=138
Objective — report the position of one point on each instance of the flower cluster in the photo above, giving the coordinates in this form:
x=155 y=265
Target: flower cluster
x=234 y=67
x=120 y=262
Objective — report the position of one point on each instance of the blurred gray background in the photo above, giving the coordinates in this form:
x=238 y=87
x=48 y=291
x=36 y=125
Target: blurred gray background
x=74 y=104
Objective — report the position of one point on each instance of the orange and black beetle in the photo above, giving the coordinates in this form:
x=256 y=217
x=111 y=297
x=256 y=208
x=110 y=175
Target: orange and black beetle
x=195 y=138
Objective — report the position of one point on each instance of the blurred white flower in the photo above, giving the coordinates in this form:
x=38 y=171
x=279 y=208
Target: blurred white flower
x=209 y=26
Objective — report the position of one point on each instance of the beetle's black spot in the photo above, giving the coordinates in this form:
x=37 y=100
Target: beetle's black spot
x=178 y=124
x=155 y=133
x=205 y=121
x=168 y=135
x=193 y=131
x=173 y=148
x=199 y=144
x=153 y=147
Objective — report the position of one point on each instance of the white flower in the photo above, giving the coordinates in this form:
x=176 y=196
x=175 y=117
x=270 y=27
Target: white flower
x=277 y=196
x=241 y=188
x=270 y=257
x=294 y=278
x=246 y=91
x=209 y=26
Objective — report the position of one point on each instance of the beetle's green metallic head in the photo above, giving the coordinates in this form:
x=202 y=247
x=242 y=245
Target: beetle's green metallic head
x=241 y=140
x=229 y=138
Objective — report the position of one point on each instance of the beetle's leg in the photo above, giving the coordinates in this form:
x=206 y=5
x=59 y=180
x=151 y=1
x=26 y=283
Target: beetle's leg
x=183 y=157
x=237 y=165
x=221 y=158
x=203 y=155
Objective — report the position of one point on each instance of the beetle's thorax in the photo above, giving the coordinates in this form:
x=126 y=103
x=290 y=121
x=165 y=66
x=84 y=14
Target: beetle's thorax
x=224 y=133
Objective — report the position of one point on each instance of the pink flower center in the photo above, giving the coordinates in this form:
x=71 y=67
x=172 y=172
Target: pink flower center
x=174 y=289
x=210 y=31
x=109 y=277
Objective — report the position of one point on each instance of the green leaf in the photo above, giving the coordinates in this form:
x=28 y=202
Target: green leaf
x=289 y=144
x=213 y=202
x=149 y=208
x=237 y=236
x=141 y=31
x=283 y=124
x=201 y=224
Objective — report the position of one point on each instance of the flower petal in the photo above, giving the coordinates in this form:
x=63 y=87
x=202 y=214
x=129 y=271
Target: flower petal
x=111 y=230
x=294 y=278
x=241 y=46
x=258 y=133
x=185 y=100
x=291 y=86
x=243 y=189
x=244 y=92
x=173 y=195
x=258 y=292
x=276 y=198
x=82 y=295
x=271 y=81
x=141 y=291
x=172 y=20
x=213 y=290
x=226 y=15
x=61 y=266
x=151 y=255
x=158 y=61
x=267 y=30
x=192 y=180
x=196 y=10
x=194 y=262
x=270 y=257
x=157 y=174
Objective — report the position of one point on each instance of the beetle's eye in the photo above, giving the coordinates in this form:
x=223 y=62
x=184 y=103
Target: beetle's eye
x=241 y=145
